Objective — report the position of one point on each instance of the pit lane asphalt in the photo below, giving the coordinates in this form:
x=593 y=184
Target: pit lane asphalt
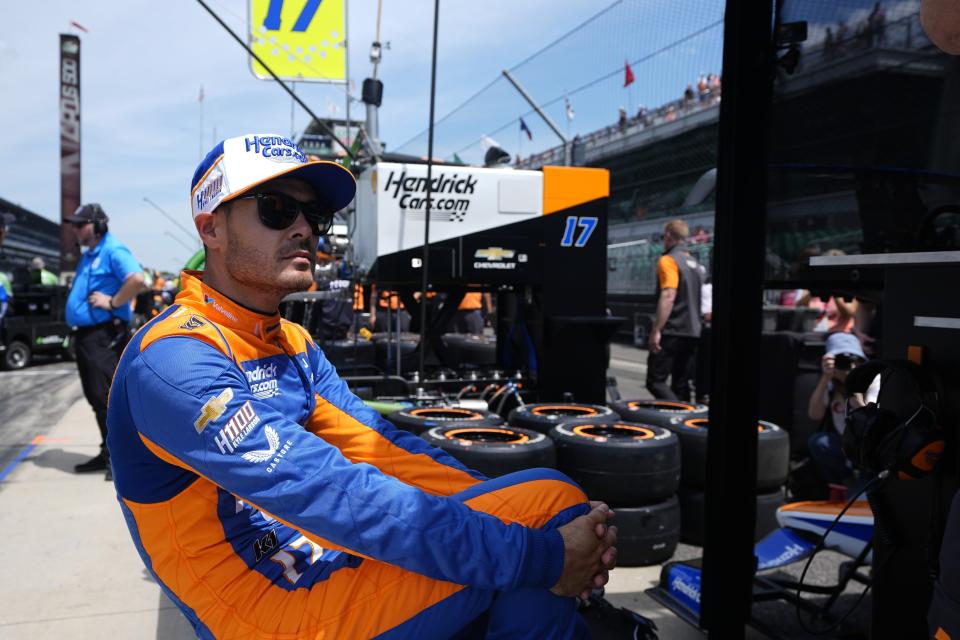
x=32 y=400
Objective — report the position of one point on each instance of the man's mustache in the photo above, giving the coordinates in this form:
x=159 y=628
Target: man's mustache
x=298 y=245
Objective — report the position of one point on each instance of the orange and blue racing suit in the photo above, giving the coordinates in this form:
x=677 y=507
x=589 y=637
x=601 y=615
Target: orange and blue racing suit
x=269 y=502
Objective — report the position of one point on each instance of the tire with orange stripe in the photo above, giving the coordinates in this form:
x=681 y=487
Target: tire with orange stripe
x=773 y=453
x=544 y=416
x=658 y=412
x=647 y=535
x=621 y=463
x=419 y=419
x=494 y=450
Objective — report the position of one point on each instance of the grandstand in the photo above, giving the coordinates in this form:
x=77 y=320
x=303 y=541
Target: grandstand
x=29 y=235
x=656 y=153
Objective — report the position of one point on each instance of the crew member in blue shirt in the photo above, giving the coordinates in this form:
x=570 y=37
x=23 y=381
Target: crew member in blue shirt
x=98 y=307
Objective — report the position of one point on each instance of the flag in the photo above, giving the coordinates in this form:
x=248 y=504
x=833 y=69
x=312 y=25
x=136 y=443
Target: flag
x=525 y=129
x=569 y=107
x=200 y=97
x=627 y=74
x=74 y=23
x=456 y=158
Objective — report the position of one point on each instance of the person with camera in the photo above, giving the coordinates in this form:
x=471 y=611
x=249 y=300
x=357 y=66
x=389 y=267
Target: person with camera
x=842 y=354
x=98 y=308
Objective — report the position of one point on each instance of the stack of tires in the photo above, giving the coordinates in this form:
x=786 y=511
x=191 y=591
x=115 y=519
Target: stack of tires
x=773 y=459
x=633 y=467
x=689 y=422
x=478 y=439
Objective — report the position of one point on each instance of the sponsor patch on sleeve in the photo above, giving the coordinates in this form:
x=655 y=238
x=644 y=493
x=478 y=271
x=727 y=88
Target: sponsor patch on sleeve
x=194 y=322
x=213 y=409
x=240 y=424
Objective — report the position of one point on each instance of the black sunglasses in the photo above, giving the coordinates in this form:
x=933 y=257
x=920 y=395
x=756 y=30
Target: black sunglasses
x=278 y=211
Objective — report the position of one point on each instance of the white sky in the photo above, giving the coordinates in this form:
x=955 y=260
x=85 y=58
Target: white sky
x=142 y=65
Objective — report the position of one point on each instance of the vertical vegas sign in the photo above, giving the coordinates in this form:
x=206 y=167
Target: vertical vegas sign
x=69 y=145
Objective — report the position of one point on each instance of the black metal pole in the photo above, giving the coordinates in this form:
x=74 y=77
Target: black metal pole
x=426 y=224
x=728 y=560
x=282 y=84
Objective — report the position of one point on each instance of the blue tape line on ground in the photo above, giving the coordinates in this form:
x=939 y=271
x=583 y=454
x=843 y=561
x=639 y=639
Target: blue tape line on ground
x=20 y=456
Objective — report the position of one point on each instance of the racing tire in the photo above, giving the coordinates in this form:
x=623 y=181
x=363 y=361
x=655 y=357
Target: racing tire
x=478 y=350
x=773 y=457
x=620 y=463
x=658 y=412
x=17 y=356
x=463 y=348
x=773 y=453
x=349 y=354
x=385 y=349
x=544 y=416
x=647 y=535
x=693 y=514
x=494 y=450
x=450 y=345
x=416 y=420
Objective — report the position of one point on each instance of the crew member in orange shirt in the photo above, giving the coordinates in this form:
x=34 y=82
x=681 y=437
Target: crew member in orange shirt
x=469 y=316
x=380 y=302
x=676 y=328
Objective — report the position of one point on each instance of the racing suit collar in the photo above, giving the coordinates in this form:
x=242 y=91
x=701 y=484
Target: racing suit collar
x=224 y=311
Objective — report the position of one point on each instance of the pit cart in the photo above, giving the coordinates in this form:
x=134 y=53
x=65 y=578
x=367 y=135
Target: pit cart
x=34 y=324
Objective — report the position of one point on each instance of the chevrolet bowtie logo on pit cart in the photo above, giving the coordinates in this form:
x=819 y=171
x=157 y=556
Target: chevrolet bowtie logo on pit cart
x=495 y=253
x=213 y=409
x=497 y=258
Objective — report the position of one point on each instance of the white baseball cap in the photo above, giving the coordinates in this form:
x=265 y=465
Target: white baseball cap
x=237 y=165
